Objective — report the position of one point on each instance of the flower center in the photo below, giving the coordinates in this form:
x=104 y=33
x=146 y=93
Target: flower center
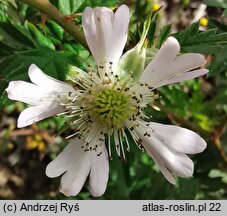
x=106 y=108
x=110 y=107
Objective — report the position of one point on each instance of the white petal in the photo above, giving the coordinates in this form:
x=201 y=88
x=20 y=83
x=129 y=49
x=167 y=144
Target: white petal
x=187 y=62
x=183 y=77
x=177 y=163
x=38 y=113
x=158 y=67
x=121 y=22
x=77 y=170
x=168 y=175
x=76 y=165
x=167 y=66
x=65 y=159
x=47 y=83
x=24 y=92
x=106 y=32
x=179 y=139
x=99 y=173
x=167 y=52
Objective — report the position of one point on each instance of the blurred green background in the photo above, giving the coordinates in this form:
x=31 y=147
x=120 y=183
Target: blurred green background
x=28 y=36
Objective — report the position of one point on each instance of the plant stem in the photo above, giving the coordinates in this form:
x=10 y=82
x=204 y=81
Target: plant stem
x=47 y=8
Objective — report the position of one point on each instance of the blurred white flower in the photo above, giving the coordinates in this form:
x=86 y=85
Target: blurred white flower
x=106 y=106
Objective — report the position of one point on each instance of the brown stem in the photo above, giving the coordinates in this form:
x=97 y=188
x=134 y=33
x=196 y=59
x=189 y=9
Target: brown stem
x=46 y=7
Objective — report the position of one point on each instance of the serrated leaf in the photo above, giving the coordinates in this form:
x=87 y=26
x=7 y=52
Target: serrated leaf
x=151 y=32
x=163 y=34
x=219 y=64
x=56 y=30
x=15 y=66
x=39 y=37
x=70 y=6
x=96 y=3
x=5 y=49
x=15 y=36
x=213 y=23
x=216 y=3
x=207 y=42
x=190 y=30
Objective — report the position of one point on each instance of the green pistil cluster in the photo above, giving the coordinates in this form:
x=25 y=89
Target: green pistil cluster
x=111 y=107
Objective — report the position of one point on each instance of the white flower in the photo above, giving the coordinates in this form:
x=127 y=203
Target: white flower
x=105 y=106
x=42 y=95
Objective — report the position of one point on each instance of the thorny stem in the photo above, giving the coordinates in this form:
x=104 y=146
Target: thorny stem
x=47 y=8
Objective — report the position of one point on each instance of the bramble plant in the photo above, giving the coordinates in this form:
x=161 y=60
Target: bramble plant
x=108 y=90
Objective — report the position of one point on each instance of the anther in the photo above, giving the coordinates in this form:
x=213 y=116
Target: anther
x=106 y=135
x=140 y=141
x=147 y=134
x=99 y=154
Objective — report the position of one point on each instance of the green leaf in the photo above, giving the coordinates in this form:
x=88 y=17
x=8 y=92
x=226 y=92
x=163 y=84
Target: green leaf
x=39 y=37
x=15 y=36
x=70 y=6
x=100 y=3
x=56 y=30
x=151 y=32
x=225 y=12
x=190 y=30
x=216 y=3
x=51 y=62
x=207 y=42
x=213 y=23
x=187 y=189
x=163 y=35
x=219 y=64
x=215 y=173
x=3 y=86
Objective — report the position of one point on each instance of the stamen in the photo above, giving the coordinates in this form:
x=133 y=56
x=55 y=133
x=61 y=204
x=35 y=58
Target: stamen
x=104 y=106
